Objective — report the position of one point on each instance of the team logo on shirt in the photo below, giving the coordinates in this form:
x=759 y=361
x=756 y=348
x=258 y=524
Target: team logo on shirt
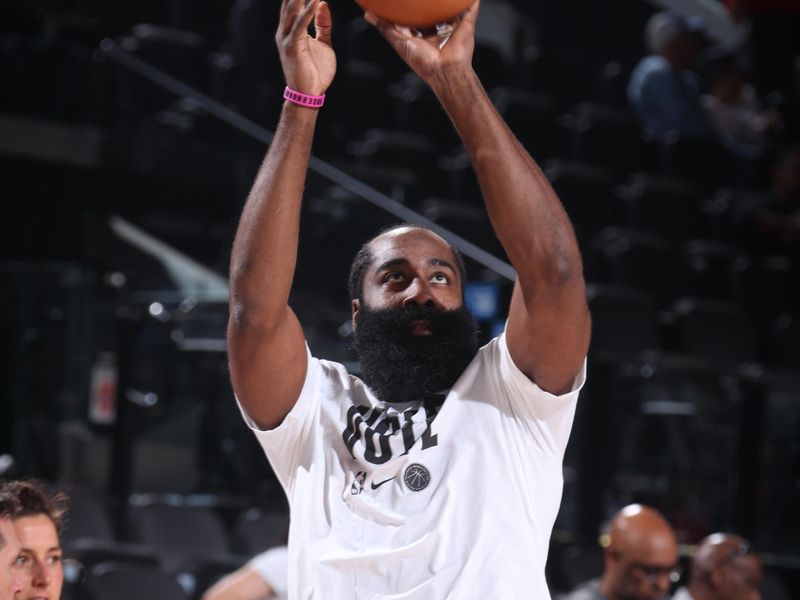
x=416 y=477
x=378 y=433
x=358 y=483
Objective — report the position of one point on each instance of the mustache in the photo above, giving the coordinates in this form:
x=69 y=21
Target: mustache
x=398 y=319
x=411 y=311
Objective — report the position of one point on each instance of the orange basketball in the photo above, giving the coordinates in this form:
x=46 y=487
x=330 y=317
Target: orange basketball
x=416 y=13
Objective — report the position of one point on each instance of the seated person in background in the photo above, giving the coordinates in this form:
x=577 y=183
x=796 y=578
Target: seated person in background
x=769 y=223
x=733 y=107
x=723 y=568
x=641 y=558
x=10 y=576
x=663 y=90
x=37 y=522
x=263 y=577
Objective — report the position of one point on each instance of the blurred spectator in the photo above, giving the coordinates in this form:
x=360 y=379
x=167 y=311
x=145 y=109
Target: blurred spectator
x=774 y=40
x=37 y=522
x=641 y=558
x=769 y=222
x=723 y=568
x=10 y=576
x=663 y=90
x=733 y=107
x=263 y=577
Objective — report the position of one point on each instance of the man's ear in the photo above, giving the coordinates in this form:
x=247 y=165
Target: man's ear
x=355 y=305
x=610 y=556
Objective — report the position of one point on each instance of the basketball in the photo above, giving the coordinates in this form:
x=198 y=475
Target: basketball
x=416 y=13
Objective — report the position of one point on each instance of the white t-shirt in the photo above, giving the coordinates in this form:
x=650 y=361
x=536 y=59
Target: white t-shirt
x=682 y=594
x=389 y=503
x=273 y=565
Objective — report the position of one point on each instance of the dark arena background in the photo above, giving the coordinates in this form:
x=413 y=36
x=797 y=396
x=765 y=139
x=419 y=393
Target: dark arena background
x=130 y=133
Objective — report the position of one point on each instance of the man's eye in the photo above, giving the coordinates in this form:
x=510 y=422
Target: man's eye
x=393 y=276
x=440 y=278
x=54 y=559
x=21 y=560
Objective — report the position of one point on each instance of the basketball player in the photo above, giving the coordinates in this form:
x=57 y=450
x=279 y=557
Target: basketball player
x=438 y=474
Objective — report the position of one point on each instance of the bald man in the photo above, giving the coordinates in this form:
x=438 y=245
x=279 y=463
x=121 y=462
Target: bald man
x=723 y=568
x=641 y=558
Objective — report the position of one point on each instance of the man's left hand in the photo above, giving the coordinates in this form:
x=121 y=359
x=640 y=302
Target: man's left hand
x=439 y=52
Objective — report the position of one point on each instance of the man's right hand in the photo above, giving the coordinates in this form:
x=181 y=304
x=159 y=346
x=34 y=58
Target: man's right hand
x=309 y=63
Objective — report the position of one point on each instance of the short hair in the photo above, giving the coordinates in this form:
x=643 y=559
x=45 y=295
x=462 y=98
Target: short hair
x=663 y=27
x=364 y=258
x=8 y=506
x=32 y=500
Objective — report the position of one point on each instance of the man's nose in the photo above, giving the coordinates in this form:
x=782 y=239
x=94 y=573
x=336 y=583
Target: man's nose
x=419 y=294
x=40 y=575
x=664 y=582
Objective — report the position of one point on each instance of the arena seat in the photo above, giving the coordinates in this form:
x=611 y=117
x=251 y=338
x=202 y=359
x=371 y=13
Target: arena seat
x=123 y=582
x=716 y=331
x=609 y=137
x=639 y=259
x=90 y=537
x=664 y=205
x=711 y=268
x=624 y=322
x=534 y=119
x=257 y=530
x=587 y=193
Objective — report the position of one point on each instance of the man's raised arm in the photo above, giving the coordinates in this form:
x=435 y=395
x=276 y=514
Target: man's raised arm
x=266 y=347
x=549 y=325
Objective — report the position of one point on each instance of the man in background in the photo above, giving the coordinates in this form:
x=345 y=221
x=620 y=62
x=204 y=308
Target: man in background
x=723 y=568
x=641 y=558
x=663 y=90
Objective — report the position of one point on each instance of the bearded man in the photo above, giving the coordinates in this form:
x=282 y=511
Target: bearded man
x=438 y=473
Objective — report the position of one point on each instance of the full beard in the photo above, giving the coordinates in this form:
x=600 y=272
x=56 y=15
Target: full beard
x=400 y=366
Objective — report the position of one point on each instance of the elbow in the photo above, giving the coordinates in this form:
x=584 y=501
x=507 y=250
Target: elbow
x=252 y=317
x=557 y=262
x=565 y=261
x=554 y=277
x=561 y=274
x=566 y=267
x=254 y=306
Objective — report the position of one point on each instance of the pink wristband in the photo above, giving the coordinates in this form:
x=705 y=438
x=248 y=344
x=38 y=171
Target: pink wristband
x=302 y=99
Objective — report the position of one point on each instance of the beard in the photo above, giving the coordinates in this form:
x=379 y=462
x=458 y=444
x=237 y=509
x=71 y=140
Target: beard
x=400 y=366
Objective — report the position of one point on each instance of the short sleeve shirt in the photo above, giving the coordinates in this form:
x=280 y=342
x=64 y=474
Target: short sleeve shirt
x=450 y=497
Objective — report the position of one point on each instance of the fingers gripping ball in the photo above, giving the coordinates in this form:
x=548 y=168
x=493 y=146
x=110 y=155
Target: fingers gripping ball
x=416 y=13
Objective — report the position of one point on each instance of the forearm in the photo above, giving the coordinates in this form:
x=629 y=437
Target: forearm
x=525 y=212
x=548 y=321
x=265 y=247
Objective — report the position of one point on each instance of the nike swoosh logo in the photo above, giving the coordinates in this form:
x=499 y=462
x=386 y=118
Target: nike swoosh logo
x=375 y=487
